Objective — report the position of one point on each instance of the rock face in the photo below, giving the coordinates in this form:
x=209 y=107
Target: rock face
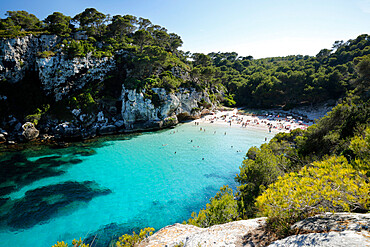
x=19 y=55
x=341 y=229
x=229 y=234
x=334 y=239
x=138 y=109
x=60 y=76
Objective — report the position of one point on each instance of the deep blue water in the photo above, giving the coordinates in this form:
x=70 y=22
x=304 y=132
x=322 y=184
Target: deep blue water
x=103 y=189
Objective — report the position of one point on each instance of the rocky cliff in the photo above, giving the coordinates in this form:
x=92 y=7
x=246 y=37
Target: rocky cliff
x=60 y=78
x=340 y=229
x=138 y=110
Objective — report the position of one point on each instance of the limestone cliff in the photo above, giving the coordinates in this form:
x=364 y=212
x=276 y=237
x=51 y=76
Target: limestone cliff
x=61 y=77
x=19 y=55
x=136 y=109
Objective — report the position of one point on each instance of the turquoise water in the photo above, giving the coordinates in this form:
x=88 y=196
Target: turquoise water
x=101 y=190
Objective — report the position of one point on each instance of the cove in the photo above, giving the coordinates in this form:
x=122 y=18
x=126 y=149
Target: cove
x=102 y=190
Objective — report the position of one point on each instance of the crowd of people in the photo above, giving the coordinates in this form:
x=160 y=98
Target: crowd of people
x=278 y=123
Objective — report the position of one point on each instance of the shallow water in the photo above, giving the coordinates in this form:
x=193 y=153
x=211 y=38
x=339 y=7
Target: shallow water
x=104 y=189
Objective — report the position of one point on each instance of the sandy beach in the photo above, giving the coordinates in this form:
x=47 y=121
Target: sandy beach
x=273 y=122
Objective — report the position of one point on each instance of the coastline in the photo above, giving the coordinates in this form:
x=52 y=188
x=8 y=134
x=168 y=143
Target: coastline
x=271 y=123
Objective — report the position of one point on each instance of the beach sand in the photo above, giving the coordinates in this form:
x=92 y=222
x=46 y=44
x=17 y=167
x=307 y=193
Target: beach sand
x=271 y=123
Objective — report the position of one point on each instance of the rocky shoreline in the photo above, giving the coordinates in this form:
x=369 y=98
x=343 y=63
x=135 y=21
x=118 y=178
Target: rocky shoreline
x=339 y=229
x=60 y=134
x=138 y=114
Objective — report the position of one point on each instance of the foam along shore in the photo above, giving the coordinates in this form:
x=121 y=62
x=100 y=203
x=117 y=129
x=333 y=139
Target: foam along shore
x=274 y=121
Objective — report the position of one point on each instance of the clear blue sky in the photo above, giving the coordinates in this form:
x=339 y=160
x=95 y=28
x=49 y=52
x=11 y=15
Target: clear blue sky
x=261 y=28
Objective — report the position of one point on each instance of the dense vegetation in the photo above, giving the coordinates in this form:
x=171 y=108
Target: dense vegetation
x=298 y=174
x=152 y=56
x=148 y=51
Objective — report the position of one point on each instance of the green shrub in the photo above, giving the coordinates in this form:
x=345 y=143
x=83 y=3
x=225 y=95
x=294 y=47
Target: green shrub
x=46 y=54
x=360 y=146
x=261 y=169
x=131 y=240
x=35 y=118
x=229 y=100
x=83 y=101
x=195 y=109
x=221 y=209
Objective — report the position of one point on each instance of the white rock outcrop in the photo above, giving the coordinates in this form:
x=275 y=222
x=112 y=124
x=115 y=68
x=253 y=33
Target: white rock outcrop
x=229 y=234
x=340 y=229
x=136 y=108
x=329 y=230
x=61 y=76
x=58 y=74
x=19 y=55
x=330 y=239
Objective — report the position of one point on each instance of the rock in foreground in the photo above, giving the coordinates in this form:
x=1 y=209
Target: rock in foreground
x=340 y=229
x=229 y=234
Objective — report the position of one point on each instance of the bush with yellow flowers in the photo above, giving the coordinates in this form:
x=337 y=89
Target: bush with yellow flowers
x=128 y=240
x=329 y=185
x=75 y=243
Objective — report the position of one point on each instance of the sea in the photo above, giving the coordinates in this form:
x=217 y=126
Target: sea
x=99 y=189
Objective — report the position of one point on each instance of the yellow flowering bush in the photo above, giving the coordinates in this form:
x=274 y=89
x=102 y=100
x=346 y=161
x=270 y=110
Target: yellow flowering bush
x=131 y=240
x=75 y=243
x=329 y=185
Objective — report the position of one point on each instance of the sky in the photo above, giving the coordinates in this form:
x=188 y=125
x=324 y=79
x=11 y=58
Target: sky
x=260 y=28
